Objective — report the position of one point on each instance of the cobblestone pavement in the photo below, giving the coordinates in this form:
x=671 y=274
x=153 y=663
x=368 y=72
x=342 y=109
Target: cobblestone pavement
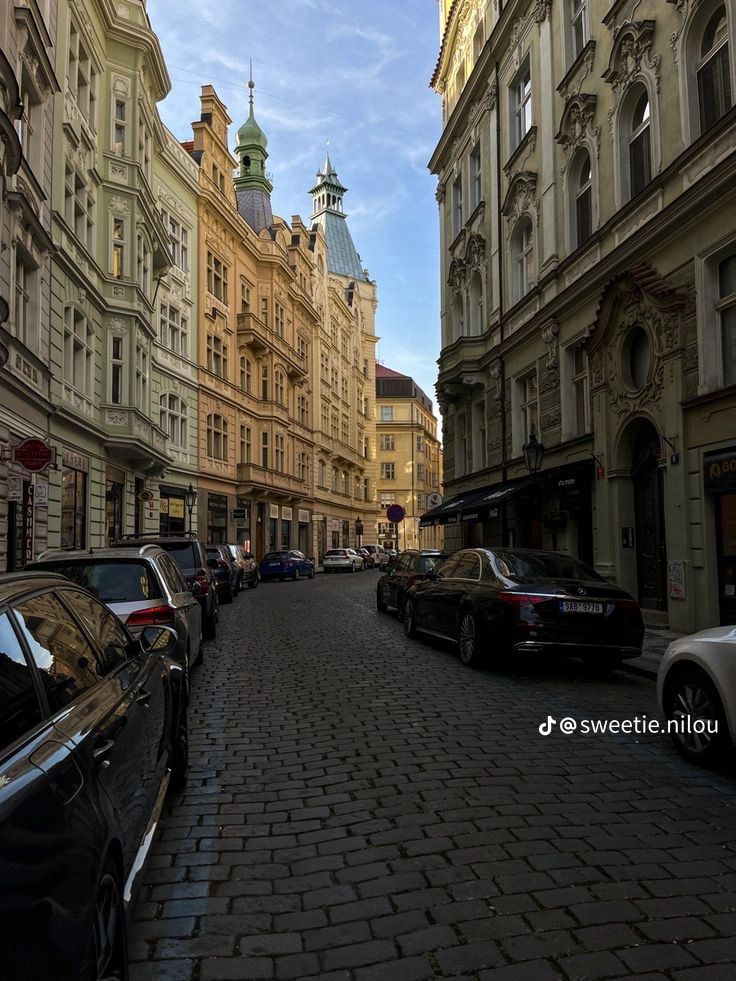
x=364 y=807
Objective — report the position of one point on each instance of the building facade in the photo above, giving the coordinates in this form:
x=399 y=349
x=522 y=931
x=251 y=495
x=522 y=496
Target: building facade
x=409 y=460
x=28 y=87
x=588 y=227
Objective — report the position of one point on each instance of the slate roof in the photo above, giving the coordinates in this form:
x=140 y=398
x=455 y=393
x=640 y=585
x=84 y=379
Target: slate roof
x=255 y=206
x=342 y=256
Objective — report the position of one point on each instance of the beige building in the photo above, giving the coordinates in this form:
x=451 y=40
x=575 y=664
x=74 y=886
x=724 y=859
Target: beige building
x=587 y=194
x=409 y=460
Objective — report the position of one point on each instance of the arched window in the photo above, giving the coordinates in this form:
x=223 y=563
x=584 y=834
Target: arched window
x=637 y=122
x=279 y=387
x=458 y=316
x=477 y=315
x=335 y=479
x=321 y=473
x=714 y=70
x=173 y=418
x=582 y=177
x=522 y=258
x=216 y=436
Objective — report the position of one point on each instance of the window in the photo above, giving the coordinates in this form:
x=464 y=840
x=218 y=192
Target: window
x=345 y=429
x=421 y=501
x=714 y=71
x=244 y=298
x=388 y=471
x=387 y=413
x=118 y=248
x=78 y=352
x=521 y=104
x=217 y=274
x=421 y=444
x=579 y=25
x=279 y=388
x=117 y=377
x=529 y=406
x=120 y=128
x=335 y=479
x=73 y=508
x=386 y=442
x=279 y=454
x=25 y=316
x=216 y=436
x=476 y=188
x=173 y=419
x=264 y=382
x=19 y=708
x=174 y=332
x=639 y=141
x=421 y=471
x=458 y=316
x=245 y=444
x=303 y=466
x=246 y=374
x=279 y=319
x=81 y=76
x=522 y=252
x=302 y=411
x=325 y=418
x=344 y=389
x=457 y=206
x=264 y=310
x=387 y=499
x=178 y=244
x=30 y=124
x=580 y=390
x=264 y=450
x=143 y=265
x=79 y=206
x=583 y=198
x=480 y=451
x=478 y=40
x=141 y=378
x=477 y=312
x=334 y=425
x=726 y=307
x=321 y=474
x=217 y=356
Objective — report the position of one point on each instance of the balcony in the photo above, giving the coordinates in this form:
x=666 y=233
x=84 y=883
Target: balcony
x=259 y=479
x=262 y=339
x=134 y=440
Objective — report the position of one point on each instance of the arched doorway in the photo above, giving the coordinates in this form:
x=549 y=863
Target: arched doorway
x=651 y=547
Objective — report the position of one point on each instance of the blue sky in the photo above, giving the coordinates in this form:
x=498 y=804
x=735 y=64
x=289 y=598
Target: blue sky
x=356 y=74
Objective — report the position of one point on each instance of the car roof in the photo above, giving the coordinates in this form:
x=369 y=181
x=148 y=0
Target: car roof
x=13 y=584
x=98 y=554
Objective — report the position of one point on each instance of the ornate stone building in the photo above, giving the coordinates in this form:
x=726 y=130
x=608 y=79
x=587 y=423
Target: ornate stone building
x=587 y=196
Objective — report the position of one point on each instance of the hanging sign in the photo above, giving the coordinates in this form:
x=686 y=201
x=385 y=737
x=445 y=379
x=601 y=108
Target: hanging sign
x=34 y=455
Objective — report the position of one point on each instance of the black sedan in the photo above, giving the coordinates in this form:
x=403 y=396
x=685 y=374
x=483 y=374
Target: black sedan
x=411 y=566
x=93 y=731
x=493 y=602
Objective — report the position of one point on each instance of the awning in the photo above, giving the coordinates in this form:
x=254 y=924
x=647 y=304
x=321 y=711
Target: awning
x=449 y=512
x=476 y=505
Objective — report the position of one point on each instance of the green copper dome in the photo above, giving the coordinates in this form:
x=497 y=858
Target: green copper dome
x=250 y=133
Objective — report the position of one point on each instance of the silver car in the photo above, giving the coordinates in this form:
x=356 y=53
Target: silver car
x=142 y=587
x=696 y=688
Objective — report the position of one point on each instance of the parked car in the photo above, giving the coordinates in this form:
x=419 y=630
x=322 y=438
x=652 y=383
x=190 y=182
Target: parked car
x=342 y=560
x=493 y=602
x=190 y=556
x=93 y=732
x=368 y=559
x=696 y=687
x=386 y=557
x=286 y=564
x=225 y=571
x=410 y=567
x=376 y=551
x=246 y=563
x=143 y=588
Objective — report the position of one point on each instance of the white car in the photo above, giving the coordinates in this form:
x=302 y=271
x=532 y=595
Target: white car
x=696 y=688
x=376 y=551
x=343 y=560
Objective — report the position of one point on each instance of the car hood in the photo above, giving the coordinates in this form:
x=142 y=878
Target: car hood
x=720 y=635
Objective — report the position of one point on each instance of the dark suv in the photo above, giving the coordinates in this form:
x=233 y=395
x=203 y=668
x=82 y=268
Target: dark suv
x=93 y=732
x=191 y=557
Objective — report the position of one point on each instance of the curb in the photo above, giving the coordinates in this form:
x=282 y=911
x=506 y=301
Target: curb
x=645 y=666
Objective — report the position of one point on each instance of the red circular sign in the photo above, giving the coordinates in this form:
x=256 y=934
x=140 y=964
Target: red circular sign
x=34 y=455
x=396 y=514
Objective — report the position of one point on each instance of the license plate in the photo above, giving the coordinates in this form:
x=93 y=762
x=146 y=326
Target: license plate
x=580 y=606
x=273 y=565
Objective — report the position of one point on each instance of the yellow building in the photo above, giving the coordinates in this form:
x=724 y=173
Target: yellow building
x=409 y=459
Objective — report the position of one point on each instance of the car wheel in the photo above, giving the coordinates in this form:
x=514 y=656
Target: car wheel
x=311 y=573
x=297 y=575
x=200 y=651
x=352 y=567
x=253 y=583
x=380 y=604
x=469 y=641
x=180 y=750
x=108 y=942
x=227 y=594
x=410 y=624
x=209 y=627
x=691 y=699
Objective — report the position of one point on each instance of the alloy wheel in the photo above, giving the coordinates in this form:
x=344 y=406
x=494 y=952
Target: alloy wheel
x=107 y=926
x=467 y=638
x=692 y=703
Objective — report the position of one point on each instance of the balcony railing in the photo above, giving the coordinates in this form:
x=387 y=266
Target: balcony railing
x=261 y=338
x=260 y=477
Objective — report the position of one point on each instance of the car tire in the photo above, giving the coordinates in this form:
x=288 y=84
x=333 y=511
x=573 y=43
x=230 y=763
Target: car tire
x=311 y=573
x=107 y=958
x=380 y=604
x=352 y=567
x=227 y=595
x=410 y=624
x=180 y=750
x=690 y=694
x=469 y=640
x=297 y=575
x=200 y=652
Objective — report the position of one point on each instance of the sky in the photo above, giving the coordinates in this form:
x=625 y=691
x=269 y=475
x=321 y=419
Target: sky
x=352 y=73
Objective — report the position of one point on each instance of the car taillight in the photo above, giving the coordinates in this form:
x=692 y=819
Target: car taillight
x=201 y=578
x=521 y=599
x=157 y=615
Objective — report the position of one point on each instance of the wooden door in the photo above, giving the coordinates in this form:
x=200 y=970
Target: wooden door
x=651 y=550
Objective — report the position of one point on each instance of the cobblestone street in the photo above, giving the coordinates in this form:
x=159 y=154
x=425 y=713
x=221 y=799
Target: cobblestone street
x=361 y=806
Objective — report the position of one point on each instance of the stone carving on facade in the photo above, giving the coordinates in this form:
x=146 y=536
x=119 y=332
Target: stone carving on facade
x=116 y=418
x=119 y=205
x=475 y=253
x=440 y=192
x=495 y=373
x=456 y=275
x=577 y=127
x=631 y=57
x=541 y=10
x=521 y=198
x=550 y=333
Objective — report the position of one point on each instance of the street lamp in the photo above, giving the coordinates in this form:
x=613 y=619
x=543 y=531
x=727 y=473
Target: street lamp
x=190 y=499
x=533 y=455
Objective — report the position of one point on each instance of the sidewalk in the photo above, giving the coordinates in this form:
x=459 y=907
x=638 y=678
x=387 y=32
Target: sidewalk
x=655 y=644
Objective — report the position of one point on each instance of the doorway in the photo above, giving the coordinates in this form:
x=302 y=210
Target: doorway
x=651 y=547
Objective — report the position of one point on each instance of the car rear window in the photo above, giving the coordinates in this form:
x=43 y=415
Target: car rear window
x=430 y=562
x=184 y=554
x=534 y=566
x=336 y=551
x=111 y=580
x=276 y=557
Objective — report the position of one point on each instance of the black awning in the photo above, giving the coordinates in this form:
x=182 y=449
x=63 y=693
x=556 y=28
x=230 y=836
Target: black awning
x=449 y=512
x=473 y=506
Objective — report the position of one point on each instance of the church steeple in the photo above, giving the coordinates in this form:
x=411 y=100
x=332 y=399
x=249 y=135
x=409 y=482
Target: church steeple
x=329 y=212
x=328 y=192
x=253 y=185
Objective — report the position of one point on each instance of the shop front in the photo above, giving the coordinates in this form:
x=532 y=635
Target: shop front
x=719 y=478
x=216 y=519
x=172 y=510
x=114 y=504
x=74 y=499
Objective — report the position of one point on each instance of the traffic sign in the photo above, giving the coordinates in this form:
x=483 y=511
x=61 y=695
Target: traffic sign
x=395 y=514
x=434 y=500
x=34 y=455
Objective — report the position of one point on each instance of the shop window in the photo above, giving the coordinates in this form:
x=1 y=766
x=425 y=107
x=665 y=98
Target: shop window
x=73 y=508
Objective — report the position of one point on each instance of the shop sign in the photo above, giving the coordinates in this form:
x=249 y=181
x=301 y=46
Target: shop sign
x=676 y=579
x=34 y=455
x=238 y=514
x=720 y=470
x=146 y=496
x=163 y=506
x=176 y=507
x=567 y=483
x=27 y=523
x=15 y=490
x=42 y=495
x=75 y=461
x=475 y=516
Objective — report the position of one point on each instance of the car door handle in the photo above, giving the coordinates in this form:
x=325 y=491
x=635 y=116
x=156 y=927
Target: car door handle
x=100 y=752
x=144 y=698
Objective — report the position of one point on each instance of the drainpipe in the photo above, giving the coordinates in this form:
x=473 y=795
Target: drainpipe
x=499 y=220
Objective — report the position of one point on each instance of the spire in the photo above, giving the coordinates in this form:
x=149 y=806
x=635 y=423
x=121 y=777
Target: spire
x=253 y=185
x=328 y=211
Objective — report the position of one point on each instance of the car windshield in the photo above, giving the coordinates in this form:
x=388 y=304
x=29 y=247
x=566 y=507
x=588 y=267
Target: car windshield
x=276 y=557
x=542 y=565
x=183 y=554
x=112 y=581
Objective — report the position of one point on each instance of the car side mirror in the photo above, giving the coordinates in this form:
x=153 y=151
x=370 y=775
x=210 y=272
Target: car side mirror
x=159 y=640
x=196 y=589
